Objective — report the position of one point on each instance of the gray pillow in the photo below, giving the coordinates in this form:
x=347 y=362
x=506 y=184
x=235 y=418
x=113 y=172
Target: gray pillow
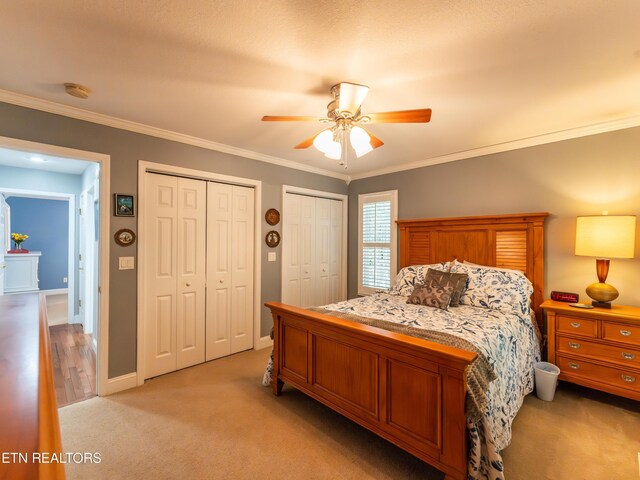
x=431 y=295
x=456 y=280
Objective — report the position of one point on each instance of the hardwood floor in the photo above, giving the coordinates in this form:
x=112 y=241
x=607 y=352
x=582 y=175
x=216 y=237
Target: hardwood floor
x=74 y=363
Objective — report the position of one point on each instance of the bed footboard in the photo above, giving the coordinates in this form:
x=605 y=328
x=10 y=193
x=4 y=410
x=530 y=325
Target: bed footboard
x=407 y=390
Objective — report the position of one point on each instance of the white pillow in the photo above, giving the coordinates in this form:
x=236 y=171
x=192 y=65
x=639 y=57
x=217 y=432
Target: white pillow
x=496 y=288
x=408 y=277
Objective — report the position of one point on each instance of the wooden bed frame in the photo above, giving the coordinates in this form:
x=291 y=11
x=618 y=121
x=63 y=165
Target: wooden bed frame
x=407 y=390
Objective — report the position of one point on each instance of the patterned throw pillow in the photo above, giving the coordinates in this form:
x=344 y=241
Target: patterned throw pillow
x=499 y=289
x=432 y=295
x=408 y=277
x=457 y=280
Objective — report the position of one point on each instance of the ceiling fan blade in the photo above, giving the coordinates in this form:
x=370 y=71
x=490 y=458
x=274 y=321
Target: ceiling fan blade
x=375 y=141
x=272 y=118
x=351 y=96
x=421 y=115
x=309 y=141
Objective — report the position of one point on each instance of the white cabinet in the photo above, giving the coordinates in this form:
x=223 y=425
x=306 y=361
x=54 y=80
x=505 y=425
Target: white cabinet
x=21 y=274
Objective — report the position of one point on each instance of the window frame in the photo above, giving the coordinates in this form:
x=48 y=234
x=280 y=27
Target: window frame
x=363 y=198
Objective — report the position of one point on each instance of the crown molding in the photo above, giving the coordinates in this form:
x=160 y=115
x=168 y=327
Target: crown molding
x=568 y=134
x=86 y=115
x=101 y=119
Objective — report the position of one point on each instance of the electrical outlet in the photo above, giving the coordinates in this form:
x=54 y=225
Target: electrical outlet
x=65 y=280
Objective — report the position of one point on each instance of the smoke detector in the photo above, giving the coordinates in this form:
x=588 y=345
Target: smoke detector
x=76 y=90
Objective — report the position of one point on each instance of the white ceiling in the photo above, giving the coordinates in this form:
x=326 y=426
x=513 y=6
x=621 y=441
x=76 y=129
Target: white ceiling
x=494 y=72
x=38 y=161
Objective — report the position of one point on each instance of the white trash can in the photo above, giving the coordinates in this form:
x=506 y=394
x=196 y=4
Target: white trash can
x=546 y=380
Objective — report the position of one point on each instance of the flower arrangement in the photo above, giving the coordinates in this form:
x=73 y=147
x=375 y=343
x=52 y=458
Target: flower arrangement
x=18 y=238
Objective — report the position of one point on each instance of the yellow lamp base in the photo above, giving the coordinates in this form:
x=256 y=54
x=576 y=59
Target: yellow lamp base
x=602 y=292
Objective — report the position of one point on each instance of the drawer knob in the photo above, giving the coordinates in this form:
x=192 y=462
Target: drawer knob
x=628 y=356
x=574 y=366
x=628 y=378
x=625 y=333
x=574 y=345
x=575 y=324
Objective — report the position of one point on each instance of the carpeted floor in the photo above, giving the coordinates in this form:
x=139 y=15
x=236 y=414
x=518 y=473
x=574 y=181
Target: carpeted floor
x=216 y=421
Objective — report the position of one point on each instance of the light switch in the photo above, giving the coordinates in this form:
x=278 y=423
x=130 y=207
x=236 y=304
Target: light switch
x=126 y=263
x=271 y=256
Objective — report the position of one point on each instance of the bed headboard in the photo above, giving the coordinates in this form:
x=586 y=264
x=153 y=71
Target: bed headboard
x=514 y=241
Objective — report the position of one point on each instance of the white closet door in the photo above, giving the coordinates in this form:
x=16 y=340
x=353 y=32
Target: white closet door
x=291 y=250
x=335 y=253
x=323 y=252
x=191 y=262
x=160 y=274
x=219 y=225
x=242 y=270
x=230 y=212
x=307 y=247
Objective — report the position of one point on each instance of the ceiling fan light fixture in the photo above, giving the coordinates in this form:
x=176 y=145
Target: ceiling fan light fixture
x=323 y=140
x=334 y=152
x=360 y=141
x=350 y=96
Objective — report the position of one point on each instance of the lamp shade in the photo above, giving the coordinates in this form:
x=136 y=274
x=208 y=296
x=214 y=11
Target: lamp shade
x=606 y=236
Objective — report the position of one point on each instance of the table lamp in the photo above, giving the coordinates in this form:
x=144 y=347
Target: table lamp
x=604 y=237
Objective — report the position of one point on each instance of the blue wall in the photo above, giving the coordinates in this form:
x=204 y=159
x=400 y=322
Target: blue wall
x=47 y=224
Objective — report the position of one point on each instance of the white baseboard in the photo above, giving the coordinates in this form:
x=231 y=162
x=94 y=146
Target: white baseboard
x=55 y=291
x=118 y=384
x=264 y=342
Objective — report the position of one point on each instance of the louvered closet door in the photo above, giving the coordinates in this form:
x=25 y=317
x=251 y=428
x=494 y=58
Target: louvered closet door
x=230 y=212
x=175 y=275
x=191 y=263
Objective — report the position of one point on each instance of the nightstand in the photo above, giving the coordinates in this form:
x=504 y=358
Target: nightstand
x=598 y=348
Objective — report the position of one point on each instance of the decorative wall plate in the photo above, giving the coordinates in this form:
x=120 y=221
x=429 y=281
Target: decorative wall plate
x=272 y=239
x=272 y=216
x=124 y=237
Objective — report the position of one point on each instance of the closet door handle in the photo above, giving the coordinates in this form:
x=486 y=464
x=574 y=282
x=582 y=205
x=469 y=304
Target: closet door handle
x=188 y=284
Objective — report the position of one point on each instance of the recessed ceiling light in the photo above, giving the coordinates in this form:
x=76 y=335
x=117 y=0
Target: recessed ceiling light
x=76 y=90
x=35 y=158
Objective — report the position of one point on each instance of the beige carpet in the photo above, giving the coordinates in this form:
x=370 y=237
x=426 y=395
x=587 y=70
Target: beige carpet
x=215 y=421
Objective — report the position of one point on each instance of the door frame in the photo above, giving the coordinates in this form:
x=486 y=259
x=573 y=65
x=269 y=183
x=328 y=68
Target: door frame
x=145 y=167
x=103 y=385
x=345 y=223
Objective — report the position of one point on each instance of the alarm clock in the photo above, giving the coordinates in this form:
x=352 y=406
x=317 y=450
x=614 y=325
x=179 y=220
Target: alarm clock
x=565 y=297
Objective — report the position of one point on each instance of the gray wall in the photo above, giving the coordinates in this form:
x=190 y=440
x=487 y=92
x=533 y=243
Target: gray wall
x=126 y=149
x=583 y=176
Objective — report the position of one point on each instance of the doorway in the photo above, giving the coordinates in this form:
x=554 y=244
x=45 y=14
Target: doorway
x=77 y=309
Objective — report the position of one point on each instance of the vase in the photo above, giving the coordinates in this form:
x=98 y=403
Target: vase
x=17 y=248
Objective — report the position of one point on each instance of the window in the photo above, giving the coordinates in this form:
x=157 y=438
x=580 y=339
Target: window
x=377 y=240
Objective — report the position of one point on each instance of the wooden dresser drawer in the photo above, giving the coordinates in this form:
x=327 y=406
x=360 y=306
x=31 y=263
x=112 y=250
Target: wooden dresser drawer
x=619 y=332
x=584 y=327
x=610 y=353
x=619 y=377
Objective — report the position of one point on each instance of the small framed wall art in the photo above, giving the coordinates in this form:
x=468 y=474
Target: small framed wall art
x=125 y=237
x=272 y=239
x=272 y=216
x=124 y=205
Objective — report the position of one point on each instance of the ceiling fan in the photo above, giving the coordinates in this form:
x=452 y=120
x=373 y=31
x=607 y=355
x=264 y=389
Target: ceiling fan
x=344 y=111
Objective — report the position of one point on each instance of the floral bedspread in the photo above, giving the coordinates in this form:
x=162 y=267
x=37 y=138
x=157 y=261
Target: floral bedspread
x=507 y=340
